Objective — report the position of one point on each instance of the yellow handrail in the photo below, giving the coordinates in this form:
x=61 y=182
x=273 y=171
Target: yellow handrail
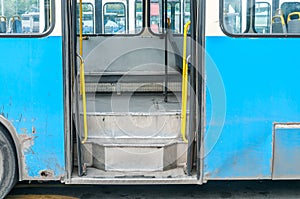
x=82 y=79
x=184 y=84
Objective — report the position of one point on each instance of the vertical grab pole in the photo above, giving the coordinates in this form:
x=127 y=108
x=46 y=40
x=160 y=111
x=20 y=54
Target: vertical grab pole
x=82 y=79
x=80 y=43
x=166 y=27
x=184 y=84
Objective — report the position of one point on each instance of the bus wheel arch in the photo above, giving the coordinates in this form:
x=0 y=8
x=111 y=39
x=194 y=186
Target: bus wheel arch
x=9 y=135
x=8 y=162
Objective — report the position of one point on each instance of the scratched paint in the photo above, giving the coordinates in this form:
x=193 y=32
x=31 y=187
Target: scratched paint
x=26 y=142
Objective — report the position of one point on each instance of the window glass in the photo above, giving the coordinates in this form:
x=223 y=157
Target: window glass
x=178 y=13
x=111 y=17
x=114 y=18
x=262 y=17
x=24 y=17
x=155 y=17
x=87 y=18
x=187 y=12
x=176 y=22
x=138 y=16
x=235 y=16
x=265 y=17
x=175 y=15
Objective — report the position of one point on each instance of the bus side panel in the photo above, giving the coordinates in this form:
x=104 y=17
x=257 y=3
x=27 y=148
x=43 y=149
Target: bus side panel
x=260 y=78
x=286 y=151
x=31 y=99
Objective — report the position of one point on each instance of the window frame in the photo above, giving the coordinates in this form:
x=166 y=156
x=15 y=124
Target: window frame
x=149 y=20
x=121 y=34
x=250 y=35
x=270 y=15
x=94 y=16
x=163 y=33
x=125 y=16
x=36 y=35
x=143 y=15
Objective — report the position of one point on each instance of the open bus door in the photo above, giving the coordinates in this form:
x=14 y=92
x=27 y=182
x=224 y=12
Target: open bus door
x=128 y=111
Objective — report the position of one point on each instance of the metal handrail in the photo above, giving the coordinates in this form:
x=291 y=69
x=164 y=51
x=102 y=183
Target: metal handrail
x=82 y=78
x=184 y=83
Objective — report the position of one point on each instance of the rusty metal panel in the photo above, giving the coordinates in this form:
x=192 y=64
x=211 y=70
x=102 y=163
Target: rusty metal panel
x=286 y=160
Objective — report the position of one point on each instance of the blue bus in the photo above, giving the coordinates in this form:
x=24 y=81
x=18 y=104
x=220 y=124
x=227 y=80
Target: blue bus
x=205 y=91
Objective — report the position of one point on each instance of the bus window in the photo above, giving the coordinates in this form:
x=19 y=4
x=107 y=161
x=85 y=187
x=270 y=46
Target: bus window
x=138 y=16
x=174 y=14
x=26 y=17
x=235 y=16
x=111 y=17
x=155 y=20
x=242 y=17
x=262 y=19
x=186 y=12
x=114 y=18
x=177 y=13
x=176 y=20
x=87 y=18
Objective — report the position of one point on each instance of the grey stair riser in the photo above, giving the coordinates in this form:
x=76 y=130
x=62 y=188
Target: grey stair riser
x=132 y=87
x=94 y=154
x=134 y=126
x=132 y=77
x=145 y=81
x=134 y=158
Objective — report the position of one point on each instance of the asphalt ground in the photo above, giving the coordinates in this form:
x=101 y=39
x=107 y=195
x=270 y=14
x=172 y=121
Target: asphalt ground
x=213 y=189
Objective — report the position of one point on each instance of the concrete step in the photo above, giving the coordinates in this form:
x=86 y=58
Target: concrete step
x=133 y=132
x=135 y=155
x=133 y=125
x=133 y=116
x=120 y=87
x=134 y=81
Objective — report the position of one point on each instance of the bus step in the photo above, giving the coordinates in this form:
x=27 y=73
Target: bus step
x=121 y=87
x=138 y=125
x=142 y=116
x=142 y=81
x=135 y=154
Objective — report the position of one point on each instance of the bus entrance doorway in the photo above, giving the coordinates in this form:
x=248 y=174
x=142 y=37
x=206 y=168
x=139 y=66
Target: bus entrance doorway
x=129 y=107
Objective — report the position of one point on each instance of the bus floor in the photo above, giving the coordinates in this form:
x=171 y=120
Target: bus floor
x=133 y=102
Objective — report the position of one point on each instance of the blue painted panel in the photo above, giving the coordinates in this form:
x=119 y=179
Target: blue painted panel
x=31 y=98
x=260 y=81
x=287 y=152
